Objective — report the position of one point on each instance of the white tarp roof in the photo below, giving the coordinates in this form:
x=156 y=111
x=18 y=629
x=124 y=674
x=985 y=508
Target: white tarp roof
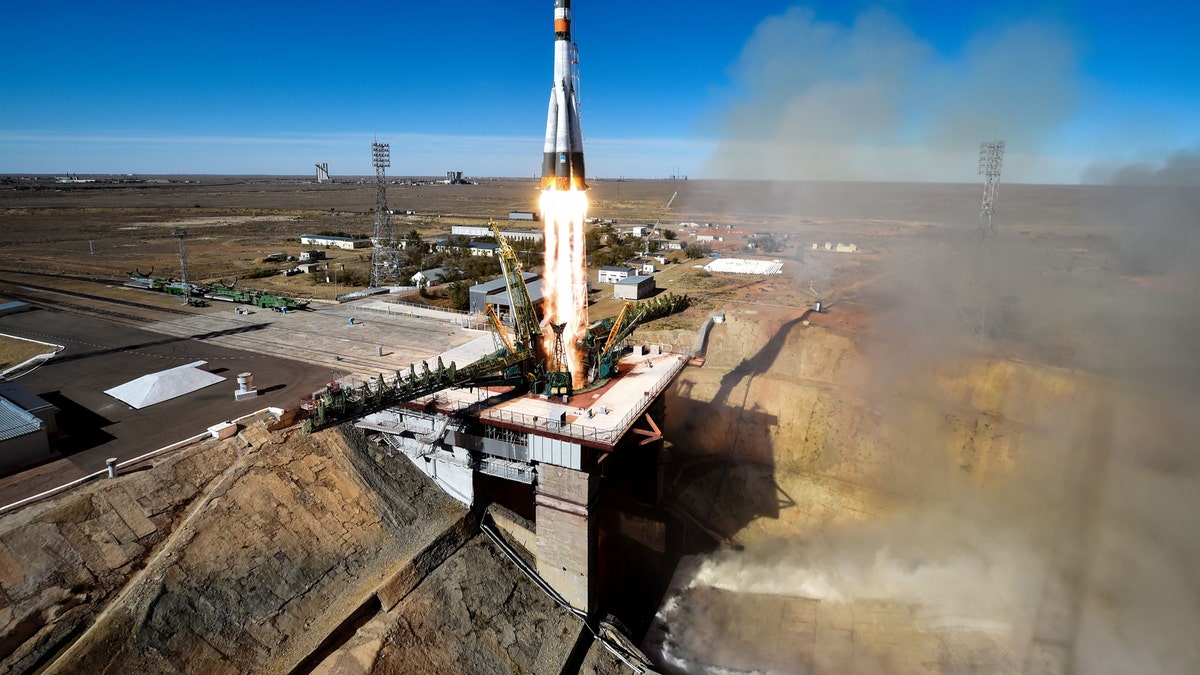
x=744 y=266
x=164 y=386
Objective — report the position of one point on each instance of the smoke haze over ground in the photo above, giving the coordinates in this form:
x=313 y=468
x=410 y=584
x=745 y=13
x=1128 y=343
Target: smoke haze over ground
x=1030 y=392
x=1035 y=394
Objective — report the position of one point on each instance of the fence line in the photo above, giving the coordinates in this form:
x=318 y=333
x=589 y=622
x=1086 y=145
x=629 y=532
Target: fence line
x=455 y=318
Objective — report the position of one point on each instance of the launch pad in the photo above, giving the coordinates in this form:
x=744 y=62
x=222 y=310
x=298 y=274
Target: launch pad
x=463 y=438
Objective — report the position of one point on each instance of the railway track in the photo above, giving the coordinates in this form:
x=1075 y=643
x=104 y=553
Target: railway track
x=39 y=293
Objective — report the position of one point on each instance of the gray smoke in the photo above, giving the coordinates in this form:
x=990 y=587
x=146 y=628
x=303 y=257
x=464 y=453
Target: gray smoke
x=873 y=101
x=1083 y=309
x=1176 y=168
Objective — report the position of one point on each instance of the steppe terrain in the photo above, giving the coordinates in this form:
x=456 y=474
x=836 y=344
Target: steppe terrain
x=980 y=458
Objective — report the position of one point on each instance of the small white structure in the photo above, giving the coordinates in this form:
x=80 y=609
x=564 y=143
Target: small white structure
x=430 y=277
x=245 y=388
x=845 y=248
x=164 y=385
x=611 y=274
x=643 y=266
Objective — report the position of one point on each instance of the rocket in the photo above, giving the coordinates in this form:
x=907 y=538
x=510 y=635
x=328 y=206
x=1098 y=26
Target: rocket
x=562 y=156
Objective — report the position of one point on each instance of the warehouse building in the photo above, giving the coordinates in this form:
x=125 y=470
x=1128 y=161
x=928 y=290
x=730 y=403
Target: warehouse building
x=634 y=288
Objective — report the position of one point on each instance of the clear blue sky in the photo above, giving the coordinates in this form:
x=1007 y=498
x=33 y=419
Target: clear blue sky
x=850 y=90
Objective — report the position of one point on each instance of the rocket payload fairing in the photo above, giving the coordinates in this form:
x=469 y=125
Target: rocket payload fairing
x=562 y=156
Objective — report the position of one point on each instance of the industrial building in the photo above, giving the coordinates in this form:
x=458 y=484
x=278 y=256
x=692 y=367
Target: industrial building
x=495 y=293
x=348 y=243
x=26 y=422
x=477 y=231
x=522 y=215
x=611 y=274
x=634 y=288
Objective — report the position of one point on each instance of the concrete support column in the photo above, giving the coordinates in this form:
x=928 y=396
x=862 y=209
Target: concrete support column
x=566 y=533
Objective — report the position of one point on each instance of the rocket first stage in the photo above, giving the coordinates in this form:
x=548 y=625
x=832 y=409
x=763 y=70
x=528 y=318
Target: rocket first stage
x=562 y=158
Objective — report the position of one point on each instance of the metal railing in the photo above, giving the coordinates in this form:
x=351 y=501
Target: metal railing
x=608 y=435
x=504 y=468
x=452 y=317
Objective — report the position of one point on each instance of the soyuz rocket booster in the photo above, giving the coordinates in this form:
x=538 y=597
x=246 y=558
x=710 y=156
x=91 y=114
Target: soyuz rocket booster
x=562 y=158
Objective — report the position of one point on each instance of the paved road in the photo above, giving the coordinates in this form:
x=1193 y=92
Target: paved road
x=101 y=355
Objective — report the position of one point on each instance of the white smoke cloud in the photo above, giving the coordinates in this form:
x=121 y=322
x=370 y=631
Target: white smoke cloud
x=873 y=101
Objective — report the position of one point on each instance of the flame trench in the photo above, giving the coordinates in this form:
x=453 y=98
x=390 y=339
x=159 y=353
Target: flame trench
x=564 y=283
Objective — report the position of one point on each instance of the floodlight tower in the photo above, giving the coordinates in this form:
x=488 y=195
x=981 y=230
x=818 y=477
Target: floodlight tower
x=384 y=262
x=991 y=161
x=187 y=290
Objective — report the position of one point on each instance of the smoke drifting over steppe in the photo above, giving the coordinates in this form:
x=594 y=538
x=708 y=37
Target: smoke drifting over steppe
x=1033 y=391
x=1060 y=355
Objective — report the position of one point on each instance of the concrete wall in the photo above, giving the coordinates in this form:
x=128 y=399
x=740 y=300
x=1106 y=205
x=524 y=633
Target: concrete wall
x=25 y=449
x=566 y=533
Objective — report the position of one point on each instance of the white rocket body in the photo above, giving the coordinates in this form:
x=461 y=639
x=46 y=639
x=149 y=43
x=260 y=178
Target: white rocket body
x=562 y=155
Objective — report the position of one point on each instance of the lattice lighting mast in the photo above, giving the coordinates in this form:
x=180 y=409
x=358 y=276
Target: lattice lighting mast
x=384 y=261
x=991 y=161
x=187 y=290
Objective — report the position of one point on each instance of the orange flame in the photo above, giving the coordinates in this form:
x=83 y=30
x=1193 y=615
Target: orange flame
x=564 y=285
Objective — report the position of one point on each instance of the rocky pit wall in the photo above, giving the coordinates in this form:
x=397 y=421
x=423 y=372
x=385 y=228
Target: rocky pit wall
x=63 y=559
x=221 y=558
x=905 y=524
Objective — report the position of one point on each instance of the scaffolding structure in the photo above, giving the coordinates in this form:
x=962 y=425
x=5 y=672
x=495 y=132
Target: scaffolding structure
x=385 y=263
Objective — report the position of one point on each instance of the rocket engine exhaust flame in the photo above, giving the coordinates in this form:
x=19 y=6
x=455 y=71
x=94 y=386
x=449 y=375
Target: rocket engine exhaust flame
x=565 y=275
x=564 y=206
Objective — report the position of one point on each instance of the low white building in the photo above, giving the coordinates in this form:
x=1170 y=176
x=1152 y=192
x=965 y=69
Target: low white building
x=477 y=231
x=430 y=277
x=642 y=266
x=348 y=243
